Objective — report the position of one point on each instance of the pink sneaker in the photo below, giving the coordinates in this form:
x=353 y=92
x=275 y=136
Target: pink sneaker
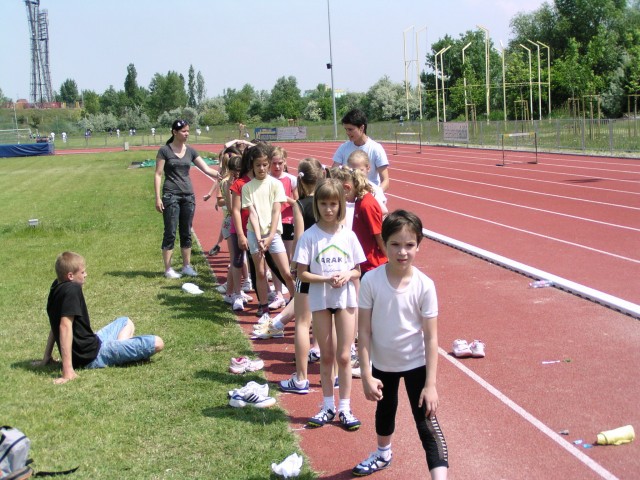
x=461 y=349
x=244 y=364
x=477 y=349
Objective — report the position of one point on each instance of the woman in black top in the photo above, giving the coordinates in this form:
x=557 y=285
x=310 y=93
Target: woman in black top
x=176 y=200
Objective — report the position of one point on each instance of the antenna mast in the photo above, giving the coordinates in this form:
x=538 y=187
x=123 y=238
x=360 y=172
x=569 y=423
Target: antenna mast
x=41 y=91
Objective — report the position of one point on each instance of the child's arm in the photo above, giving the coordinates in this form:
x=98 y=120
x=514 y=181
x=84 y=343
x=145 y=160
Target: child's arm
x=214 y=186
x=66 y=342
x=429 y=395
x=380 y=243
x=342 y=278
x=372 y=386
x=254 y=221
x=276 y=210
x=306 y=276
x=236 y=206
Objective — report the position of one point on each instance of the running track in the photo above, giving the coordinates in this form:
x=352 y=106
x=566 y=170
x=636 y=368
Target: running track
x=573 y=216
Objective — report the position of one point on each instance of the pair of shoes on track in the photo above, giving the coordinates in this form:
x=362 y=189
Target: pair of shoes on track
x=347 y=420
x=240 y=365
x=462 y=349
x=374 y=463
x=293 y=385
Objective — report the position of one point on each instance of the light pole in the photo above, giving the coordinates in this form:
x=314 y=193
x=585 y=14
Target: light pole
x=437 y=92
x=330 y=67
x=504 y=88
x=406 y=68
x=530 y=84
x=444 y=102
x=539 y=84
x=487 y=67
x=548 y=75
x=418 y=67
x=464 y=74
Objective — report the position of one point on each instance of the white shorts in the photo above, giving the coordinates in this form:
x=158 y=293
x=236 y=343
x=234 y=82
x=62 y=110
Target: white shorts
x=276 y=246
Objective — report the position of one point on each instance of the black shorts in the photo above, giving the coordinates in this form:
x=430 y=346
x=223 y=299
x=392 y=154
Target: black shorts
x=302 y=287
x=287 y=232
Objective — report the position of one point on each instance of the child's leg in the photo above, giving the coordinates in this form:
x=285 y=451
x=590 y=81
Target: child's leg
x=345 y=318
x=301 y=340
x=127 y=331
x=429 y=430
x=323 y=331
x=261 y=278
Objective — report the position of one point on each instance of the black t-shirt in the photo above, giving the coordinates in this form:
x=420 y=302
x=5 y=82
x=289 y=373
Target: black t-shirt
x=306 y=205
x=67 y=300
x=176 y=170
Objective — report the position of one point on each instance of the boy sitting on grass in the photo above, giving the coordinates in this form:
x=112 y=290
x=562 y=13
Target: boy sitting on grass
x=71 y=329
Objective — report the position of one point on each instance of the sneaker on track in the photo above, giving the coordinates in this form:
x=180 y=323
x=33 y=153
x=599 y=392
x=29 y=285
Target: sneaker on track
x=322 y=417
x=291 y=385
x=251 y=399
x=371 y=465
x=262 y=322
x=279 y=302
x=461 y=349
x=171 y=273
x=355 y=366
x=244 y=364
x=349 y=421
x=238 y=303
x=246 y=298
x=270 y=331
x=262 y=309
x=189 y=271
x=222 y=288
x=228 y=298
x=215 y=250
x=314 y=355
x=477 y=349
x=246 y=286
x=253 y=387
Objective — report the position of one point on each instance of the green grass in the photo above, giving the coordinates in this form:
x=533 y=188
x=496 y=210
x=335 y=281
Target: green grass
x=167 y=418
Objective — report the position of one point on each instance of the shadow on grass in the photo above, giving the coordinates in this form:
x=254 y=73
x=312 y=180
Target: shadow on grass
x=187 y=306
x=54 y=369
x=254 y=416
x=133 y=274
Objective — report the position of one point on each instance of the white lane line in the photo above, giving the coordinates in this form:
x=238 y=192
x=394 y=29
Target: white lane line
x=570 y=448
x=573 y=244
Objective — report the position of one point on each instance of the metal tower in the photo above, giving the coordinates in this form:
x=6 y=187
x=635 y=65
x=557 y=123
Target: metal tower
x=41 y=91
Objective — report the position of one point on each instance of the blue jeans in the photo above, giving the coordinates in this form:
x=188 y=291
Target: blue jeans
x=178 y=213
x=118 y=352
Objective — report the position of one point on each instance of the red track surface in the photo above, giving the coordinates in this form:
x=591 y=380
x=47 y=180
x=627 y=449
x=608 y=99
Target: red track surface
x=575 y=217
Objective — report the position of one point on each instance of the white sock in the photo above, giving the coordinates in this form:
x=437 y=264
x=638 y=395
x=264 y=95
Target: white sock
x=344 y=405
x=329 y=403
x=385 y=452
x=278 y=324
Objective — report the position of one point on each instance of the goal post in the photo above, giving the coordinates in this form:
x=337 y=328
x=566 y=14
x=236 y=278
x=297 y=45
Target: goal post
x=15 y=135
x=519 y=148
x=409 y=138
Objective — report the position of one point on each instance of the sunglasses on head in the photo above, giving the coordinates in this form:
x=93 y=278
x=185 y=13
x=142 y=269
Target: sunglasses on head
x=181 y=124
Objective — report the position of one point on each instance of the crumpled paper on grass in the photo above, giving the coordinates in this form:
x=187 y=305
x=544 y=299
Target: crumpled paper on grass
x=290 y=467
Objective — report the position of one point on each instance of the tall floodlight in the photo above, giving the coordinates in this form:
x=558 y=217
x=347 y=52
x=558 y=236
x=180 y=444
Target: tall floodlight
x=407 y=64
x=437 y=91
x=487 y=69
x=539 y=82
x=530 y=83
x=444 y=101
x=418 y=67
x=504 y=88
x=330 y=67
x=548 y=75
x=39 y=30
x=464 y=77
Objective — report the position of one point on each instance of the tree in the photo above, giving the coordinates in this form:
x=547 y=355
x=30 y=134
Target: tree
x=192 y=87
x=285 y=100
x=69 y=92
x=131 y=84
x=201 y=91
x=112 y=101
x=3 y=99
x=385 y=100
x=214 y=112
x=166 y=92
x=91 y=102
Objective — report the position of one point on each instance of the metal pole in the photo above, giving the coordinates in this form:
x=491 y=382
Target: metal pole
x=530 y=83
x=504 y=88
x=548 y=75
x=487 y=67
x=539 y=82
x=437 y=93
x=333 y=90
x=406 y=68
x=418 y=68
x=464 y=73
x=444 y=101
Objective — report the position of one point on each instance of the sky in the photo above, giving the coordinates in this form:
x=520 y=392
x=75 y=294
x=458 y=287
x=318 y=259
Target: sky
x=233 y=42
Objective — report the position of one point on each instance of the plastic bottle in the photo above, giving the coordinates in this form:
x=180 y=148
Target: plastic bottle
x=541 y=284
x=617 y=436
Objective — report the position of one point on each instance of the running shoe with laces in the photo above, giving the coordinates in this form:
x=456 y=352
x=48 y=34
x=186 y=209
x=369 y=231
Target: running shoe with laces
x=461 y=348
x=253 y=387
x=251 y=399
x=371 y=465
x=247 y=286
x=262 y=321
x=279 y=302
x=322 y=417
x=245 y=364
x=246 y=298
x=222 y=288
x=228 y=298
x=477 y=349
x=238 y=303
x=349 y=421
x=171 y=273
x=189 y=271
x=292 y=385
x=262 y=309
x=269 y=331
x=215 y=250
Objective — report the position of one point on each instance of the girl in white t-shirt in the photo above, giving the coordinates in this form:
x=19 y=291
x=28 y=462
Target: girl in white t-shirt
x=328 y=257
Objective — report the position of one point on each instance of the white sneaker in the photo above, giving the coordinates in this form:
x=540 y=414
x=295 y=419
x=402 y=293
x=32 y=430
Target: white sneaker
x=252 y=395
x=228 y=299
x=252 y=386
x=244 y=364
x=246 y=286
x=477 y=349
x=279 y=302
x=238 y=304
x=461 y=349
x=314 y=355
x=222 y=288
x=262 y=321
x=271 y=296
x=171 y=273
x=246 y=298
x=189 y=271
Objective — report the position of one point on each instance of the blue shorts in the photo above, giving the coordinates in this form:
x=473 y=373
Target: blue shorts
x=118 y=352
x=276 y=245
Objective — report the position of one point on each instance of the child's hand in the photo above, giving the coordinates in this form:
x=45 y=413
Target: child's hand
x=340 y=279
x=372 y=389
x=65 y=379
x=206 y=197
x=429 y=398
